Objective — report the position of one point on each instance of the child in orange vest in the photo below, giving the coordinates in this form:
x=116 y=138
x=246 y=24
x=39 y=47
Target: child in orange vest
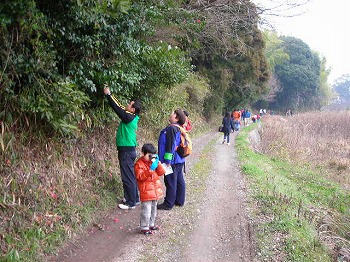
x=148 y=168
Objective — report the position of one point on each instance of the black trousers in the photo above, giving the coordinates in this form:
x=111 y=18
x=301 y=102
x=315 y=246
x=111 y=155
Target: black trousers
x=126 y=163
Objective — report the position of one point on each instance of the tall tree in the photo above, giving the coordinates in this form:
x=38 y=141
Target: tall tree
x=230 y=53
x=326 y=92
x=275 y=55
x=299 y=77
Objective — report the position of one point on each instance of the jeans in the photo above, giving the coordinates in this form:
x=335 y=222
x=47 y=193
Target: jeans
x=227 y=137
x=148 y=214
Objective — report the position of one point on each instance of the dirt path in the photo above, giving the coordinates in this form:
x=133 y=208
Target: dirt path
x=215 y=227
x=222 y=232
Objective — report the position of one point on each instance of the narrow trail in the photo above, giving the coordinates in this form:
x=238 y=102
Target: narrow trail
x=218 y=230
x=222 y=232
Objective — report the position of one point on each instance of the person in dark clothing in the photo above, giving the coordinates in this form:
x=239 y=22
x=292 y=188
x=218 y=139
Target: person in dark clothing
x=126 y=145
x=169 y=140
x=227 y=126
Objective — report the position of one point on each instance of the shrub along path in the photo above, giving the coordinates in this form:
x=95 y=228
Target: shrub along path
x=212 y=226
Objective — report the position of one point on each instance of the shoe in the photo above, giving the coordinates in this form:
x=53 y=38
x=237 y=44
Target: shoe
x=228 y=144
x=125 y=207
x=154 y=228
x=124 y=201
x=163 y=207
x=223 y=141
x=147 y=232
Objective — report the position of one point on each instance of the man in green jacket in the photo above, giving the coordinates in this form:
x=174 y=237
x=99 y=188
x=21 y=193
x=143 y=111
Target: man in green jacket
x=126 y=146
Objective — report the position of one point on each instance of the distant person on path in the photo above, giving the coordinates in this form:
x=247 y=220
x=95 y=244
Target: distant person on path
x=227 y=126
x=236 y=114
x=169 y=140
x=188 y=124
x=247 y=116
x=148 y=168
x=126 y=146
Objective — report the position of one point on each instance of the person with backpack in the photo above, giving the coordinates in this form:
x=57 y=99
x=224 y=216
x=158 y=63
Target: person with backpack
x=227 y=126
x=168 y=143
x=126 y=146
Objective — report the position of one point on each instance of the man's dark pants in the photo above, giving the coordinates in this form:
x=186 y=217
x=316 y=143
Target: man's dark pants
x=126 y=163
x=175 y=187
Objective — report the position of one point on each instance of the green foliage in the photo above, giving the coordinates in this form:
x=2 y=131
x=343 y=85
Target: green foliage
x=90 y=43
x=326 y=93
x=299 y=77
x=231 y=56
x=274 y=52
x=58 y=104
x=189 y=95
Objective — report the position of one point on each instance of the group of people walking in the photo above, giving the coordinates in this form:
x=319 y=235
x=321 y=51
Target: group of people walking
x=141 y=183
x=232 y=122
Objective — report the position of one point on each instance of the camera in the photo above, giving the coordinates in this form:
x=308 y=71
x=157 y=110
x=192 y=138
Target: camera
x=152 y=157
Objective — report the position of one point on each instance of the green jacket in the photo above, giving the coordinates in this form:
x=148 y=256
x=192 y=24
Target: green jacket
x=126 y=132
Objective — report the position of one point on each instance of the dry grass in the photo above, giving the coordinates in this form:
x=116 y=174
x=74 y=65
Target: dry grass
x=317 y=139
x=52 y=186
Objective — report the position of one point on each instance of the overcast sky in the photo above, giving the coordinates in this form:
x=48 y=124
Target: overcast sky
x=324 y=25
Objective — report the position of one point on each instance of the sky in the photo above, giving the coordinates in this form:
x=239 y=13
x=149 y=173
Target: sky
x=323 y=25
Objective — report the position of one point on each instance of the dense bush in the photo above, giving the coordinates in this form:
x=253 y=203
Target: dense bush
x=57 y=55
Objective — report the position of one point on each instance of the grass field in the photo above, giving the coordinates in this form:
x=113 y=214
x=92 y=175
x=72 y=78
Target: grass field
x=299 y=186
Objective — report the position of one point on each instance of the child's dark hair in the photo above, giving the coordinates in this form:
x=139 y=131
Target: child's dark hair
x=137 y=106
x=148 y=148
x=180 y=116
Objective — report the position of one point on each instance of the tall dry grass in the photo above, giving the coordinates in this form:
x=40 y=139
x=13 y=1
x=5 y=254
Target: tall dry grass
x=318 y=139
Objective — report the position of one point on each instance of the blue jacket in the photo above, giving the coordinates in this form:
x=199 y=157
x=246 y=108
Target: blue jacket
x=169 y=140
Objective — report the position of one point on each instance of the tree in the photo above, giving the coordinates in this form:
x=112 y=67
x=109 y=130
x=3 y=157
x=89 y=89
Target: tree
x=274 y=51
x=55 y=55
x=299 y=77
x=275 y=55
x=230 y=53
x=326 y=93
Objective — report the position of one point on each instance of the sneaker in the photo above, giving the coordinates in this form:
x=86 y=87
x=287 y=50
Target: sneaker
x=147 y=232
x=124 y=201
x=154 y=228
x=125 y=207
x=163 y=207
x=228 y=144
x=223 y=141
